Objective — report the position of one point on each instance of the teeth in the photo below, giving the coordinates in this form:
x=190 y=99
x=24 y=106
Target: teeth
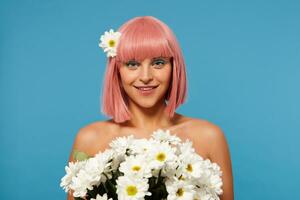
x=145 y=88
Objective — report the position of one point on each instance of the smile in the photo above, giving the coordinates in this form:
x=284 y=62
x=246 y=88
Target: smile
x=146 y=90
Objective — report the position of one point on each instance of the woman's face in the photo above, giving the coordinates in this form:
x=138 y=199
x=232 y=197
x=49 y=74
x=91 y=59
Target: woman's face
x=146 y=83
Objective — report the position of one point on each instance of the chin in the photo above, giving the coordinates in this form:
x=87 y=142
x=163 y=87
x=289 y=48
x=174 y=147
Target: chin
x=149 y=103
x=146 y=105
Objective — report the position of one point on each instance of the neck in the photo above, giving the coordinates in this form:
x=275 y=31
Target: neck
x=149 y=119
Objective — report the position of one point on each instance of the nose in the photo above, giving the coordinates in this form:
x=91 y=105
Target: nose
x=146 y=74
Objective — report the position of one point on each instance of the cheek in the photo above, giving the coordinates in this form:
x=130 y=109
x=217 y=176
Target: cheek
x=126 y=77
x=165 y=75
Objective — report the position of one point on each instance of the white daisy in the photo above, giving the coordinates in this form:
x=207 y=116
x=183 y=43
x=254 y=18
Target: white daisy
x=216 y=184
x=95 y=167
x=179 y=189
x=132 y=188
x=140 y=146
x=135 y=166
x=109 y=42
x=122 y=144
x=165 y=136
x=202 y=194
x=107 y=155
x=71 y=171
x=99 y=197
x=172 y=168
x=211 y=178
x=186 y=148
x=160 y=155
x=191 y=165
x=90 y=175
x=81 y=183
x=106 y=158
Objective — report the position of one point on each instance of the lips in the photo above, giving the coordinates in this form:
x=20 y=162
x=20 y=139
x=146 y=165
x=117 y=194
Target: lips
x=145 y=88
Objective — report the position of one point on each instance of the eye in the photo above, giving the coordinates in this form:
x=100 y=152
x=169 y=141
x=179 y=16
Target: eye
x=132 y=64
x=159 y=63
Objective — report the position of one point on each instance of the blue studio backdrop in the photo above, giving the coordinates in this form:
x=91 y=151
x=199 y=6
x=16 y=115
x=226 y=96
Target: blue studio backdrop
x=243 y=66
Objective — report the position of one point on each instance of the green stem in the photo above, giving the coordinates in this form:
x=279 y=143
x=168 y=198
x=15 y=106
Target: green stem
x=105 y=188
x=158 y=176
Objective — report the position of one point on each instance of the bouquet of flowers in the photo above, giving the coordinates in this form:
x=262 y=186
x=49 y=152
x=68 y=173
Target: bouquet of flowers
x=160 y=168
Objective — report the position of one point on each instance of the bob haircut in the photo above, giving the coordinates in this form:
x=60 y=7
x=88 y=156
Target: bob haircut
x=143 y=37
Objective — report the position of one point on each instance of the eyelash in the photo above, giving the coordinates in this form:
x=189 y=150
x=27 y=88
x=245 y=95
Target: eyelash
x=162 y=62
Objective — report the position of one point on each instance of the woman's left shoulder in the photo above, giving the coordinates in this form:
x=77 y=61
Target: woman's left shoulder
x=209 y=138
x=206 y=133
x=204 y=128
x=212 y=135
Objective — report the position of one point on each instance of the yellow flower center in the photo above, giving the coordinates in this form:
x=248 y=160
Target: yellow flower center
x=181 y=177
x=136 y=168
x=161 y=157
x=189 y=168
x=180 y=192
x=131 y=190
x=111 y=43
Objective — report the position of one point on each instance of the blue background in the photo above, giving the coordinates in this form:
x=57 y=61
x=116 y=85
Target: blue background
x=243 y=65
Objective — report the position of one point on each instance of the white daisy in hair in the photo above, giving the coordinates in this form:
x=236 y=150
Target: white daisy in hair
x=165 y=136
x=71 y=171
x=136 y=166
x=109 y=42
x=99 y=197
x=180 y=189
x=132 y=188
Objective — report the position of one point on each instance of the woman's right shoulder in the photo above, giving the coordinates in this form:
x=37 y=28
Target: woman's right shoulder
x=94 y=137
x=95 y=130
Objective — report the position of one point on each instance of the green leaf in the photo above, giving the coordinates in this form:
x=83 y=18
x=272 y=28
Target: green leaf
x=80 y=155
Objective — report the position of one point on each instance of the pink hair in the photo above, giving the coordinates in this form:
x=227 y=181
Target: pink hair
x=141 y=38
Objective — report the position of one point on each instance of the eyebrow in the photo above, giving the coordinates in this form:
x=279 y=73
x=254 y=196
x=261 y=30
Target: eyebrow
x=154 y=58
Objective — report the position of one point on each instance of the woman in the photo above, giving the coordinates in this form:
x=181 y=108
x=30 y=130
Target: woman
x=145 y=82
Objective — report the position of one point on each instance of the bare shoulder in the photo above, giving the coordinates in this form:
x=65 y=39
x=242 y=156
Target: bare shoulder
x=206 y=129
x=93 y=138
x=211 y=138
x=205 y=135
